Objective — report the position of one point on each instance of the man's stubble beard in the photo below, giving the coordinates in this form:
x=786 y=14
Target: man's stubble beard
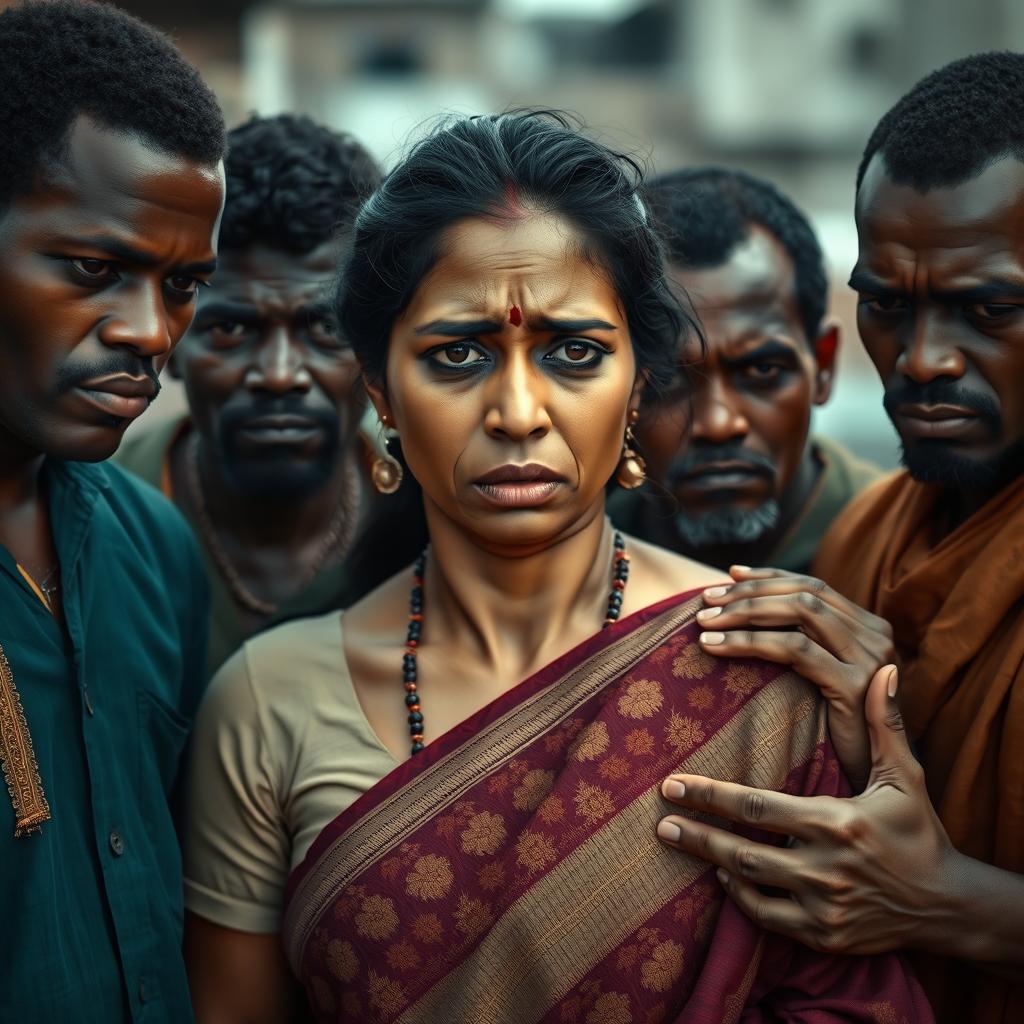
x=728 y=525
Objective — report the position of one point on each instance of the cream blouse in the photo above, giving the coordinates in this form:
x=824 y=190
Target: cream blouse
x=281 y=747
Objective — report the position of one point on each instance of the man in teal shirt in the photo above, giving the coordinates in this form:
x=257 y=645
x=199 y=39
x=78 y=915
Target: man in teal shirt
x=111 y=186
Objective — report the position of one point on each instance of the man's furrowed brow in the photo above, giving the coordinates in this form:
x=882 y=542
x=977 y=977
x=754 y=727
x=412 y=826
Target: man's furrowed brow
x=863 y=281
x=459 y=328
x=993 y=291
x=773 y=348
x=118 y=249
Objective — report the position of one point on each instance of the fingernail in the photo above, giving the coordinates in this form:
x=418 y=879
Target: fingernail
x=712 y=639
x=673 y=789
x=723 y=876
x=894 y=682
x=716 y=592
x=669 y=831
x=739 y=568
x=708 y=613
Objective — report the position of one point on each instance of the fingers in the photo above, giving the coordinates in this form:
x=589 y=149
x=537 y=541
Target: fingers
x=773 y=913
x=892 y=761
x=839 y=633
x=760 y=808
x=756 y=862
x=776 y=582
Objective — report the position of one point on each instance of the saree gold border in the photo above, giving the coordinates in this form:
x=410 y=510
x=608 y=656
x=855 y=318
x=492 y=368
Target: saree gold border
x=577 y=915
x=18 y=758
x=382 y=828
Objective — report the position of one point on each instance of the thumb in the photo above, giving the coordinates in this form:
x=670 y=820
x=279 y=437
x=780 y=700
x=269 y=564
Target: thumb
x=890 y=751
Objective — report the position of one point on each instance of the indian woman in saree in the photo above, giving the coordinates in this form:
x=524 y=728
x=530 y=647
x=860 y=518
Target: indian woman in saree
x=441 y=804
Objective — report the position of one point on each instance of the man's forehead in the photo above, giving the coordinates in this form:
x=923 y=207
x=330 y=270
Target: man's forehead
x=254 y=271
x=989 y=204
x=758 y=273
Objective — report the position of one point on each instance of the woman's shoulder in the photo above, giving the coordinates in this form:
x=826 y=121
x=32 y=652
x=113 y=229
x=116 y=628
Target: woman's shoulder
x=291 y=663
x=657 y=573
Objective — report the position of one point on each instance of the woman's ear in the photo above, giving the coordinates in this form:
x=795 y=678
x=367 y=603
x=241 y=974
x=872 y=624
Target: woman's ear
x=826 y=348
x=636 y=395
x=380 y=402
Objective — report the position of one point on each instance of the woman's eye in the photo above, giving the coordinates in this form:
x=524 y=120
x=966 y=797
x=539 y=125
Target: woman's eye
x=577 y=354
x=459 y=355
x=93 y=270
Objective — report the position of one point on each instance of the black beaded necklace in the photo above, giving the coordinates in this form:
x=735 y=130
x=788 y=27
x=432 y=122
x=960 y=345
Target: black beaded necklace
x=620 y=574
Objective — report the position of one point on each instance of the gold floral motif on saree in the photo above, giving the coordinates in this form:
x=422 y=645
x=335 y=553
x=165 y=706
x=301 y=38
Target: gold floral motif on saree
x=18 y=759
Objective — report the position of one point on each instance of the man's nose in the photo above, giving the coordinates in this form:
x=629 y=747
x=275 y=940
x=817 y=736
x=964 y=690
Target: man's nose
x=717 y=414
x=279 y=366
x=930 y=352
x=517 y=397
x=140 y=322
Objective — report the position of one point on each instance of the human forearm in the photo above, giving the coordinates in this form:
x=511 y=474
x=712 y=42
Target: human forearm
x=983 y=917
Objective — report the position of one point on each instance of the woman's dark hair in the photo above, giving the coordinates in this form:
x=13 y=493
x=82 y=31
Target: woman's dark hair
x=494 y=167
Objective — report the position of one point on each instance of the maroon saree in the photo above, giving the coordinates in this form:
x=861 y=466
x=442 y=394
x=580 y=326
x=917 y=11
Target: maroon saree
x=510 y=872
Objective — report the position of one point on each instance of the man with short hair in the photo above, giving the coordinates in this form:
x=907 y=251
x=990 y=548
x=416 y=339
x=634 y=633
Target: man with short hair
x=265 y=463
x=111 y=185
x=938 y=551
x=733 y=475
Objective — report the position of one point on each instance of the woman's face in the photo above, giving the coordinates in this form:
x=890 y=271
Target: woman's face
x=509 y=379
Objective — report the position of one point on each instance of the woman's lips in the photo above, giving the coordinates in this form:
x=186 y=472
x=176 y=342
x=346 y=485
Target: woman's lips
x=520 y=493
x=512 y=486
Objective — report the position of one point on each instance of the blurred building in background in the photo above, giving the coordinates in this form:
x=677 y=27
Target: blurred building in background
x=788 y=89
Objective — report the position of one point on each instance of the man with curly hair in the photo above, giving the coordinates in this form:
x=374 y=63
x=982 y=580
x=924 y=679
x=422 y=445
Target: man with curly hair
x=111 y=185
x=733 y=474
x=264 y=465
x=930 y=855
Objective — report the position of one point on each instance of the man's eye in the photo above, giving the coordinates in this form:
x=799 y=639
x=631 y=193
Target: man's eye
x=458 y=355
x=228 y=330
x=762 y=371
x=884 y=303
x=184 y=283
x=323 y=331
x=992 y=310
x=90 y=269
x=577 y=354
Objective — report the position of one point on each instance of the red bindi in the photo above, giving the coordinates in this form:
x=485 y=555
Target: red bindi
x=515 y=317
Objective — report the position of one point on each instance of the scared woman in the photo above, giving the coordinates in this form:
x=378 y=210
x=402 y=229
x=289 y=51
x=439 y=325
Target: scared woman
x=441 y=804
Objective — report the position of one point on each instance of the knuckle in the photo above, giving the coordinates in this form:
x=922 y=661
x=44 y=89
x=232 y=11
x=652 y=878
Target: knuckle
x=754 y=807
x=707 y=793
x=746 y=862
x=798 y=642
x=811 y=603
x=818 y=586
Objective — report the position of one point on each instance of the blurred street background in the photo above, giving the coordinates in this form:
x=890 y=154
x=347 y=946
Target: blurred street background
x=788 y=89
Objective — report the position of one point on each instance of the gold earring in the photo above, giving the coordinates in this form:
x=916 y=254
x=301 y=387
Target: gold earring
x=386 y=471
x=632 y=469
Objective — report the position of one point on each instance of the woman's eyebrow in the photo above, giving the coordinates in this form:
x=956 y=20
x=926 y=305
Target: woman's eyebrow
x=545 y=323
x=459 y=328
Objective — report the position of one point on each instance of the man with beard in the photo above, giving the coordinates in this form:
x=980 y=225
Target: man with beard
x=733 y=475
x=264 y=465
x=111 y=184
x=938 y=551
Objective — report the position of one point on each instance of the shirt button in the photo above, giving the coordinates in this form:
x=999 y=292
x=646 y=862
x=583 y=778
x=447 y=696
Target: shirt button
x=116 y=843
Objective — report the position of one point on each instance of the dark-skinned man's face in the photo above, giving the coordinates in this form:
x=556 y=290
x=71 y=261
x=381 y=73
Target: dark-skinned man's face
x=730 y=456
x=99 y=269
x=940 y=279
x=271 y=387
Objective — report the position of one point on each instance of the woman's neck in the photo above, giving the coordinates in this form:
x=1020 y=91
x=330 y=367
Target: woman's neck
x=516 y=609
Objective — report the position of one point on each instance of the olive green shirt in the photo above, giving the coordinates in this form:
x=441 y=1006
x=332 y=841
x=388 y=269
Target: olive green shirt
x=91 y=904
x=842 y=476
x=145 y=453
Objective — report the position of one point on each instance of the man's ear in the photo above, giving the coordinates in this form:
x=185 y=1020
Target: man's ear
x=826 y=349
x=379 y=400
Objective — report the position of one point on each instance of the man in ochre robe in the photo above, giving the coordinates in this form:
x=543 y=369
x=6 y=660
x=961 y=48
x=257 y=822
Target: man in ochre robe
x=938 y=551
